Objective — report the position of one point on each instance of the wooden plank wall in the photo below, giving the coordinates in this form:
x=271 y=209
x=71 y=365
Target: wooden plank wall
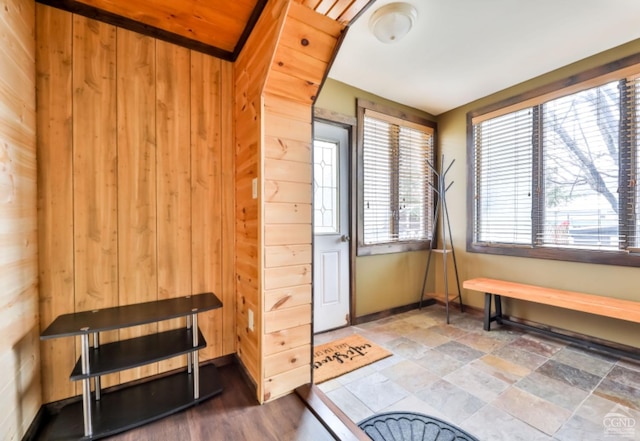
x=19 y=328
x=135 y=184
x=274 y=231
x=250 y=71
x=306 y=47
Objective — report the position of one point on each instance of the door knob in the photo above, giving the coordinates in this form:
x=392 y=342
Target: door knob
x=345 y=238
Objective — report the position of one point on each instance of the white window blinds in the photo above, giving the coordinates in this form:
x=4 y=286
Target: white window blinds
x=397 y=199
x=630 y=190
x=503 y=173
x=580 y=160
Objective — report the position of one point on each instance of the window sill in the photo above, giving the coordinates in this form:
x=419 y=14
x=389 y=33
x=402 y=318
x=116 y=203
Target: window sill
x=393 y=247
x=619 y=258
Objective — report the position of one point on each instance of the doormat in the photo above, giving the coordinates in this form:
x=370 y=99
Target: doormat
x=338 y=357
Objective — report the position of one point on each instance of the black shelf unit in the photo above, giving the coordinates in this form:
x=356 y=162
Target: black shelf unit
x=99 y=415
x=133 y=406
x=127 y=354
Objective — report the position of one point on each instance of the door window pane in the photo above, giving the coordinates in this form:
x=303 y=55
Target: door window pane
x=325 y=187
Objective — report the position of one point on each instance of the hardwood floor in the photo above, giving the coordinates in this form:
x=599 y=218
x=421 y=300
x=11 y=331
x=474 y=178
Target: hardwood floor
x=234 y=415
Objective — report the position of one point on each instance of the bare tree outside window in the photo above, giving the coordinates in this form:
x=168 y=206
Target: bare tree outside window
x=580 y=151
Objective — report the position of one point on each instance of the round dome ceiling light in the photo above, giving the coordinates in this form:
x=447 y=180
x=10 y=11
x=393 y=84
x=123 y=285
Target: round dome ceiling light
x=393 y=21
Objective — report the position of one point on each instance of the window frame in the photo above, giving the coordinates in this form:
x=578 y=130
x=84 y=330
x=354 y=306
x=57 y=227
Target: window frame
x=395 y=246
x=584 y=80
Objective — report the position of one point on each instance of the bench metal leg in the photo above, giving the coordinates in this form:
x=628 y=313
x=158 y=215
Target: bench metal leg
x=497 y=300
x=488 y=317
x=487 y=311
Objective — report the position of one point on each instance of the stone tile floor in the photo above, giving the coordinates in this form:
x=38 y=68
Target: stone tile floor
x=505 y=384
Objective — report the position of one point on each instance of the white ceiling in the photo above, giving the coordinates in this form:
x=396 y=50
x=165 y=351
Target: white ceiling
x=463 y=50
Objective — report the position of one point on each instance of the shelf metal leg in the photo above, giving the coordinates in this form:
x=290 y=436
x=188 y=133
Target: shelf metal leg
x=96 y=380
x=189 y=359
x=86 y=385
x=196 y=363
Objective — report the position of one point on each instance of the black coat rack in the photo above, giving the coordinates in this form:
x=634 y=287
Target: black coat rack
x=441 y=214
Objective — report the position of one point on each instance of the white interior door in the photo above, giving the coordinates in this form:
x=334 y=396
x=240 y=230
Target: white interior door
x=331 y=297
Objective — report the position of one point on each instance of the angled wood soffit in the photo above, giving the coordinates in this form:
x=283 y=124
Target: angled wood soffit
x=220 y=31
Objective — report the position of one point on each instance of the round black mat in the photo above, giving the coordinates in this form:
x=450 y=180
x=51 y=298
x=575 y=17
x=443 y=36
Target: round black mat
x=411 y=426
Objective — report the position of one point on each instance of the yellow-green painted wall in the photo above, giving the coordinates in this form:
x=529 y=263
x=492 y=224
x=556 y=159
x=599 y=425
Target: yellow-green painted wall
x=384 y=281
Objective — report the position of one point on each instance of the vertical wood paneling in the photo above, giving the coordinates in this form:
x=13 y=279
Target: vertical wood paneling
x=55 y=172
x=248 y=348
x=149 y=188
x=95 y=175
x=95 y=191
x=206 y=189
x=19 y=346
x=136 y=122
x=228 y=288
x=173 y=178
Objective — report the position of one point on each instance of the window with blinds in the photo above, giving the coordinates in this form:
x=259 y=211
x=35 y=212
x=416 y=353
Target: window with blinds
x=504 y=158
x=555 y=175
x=396 y=198
x=580 y=158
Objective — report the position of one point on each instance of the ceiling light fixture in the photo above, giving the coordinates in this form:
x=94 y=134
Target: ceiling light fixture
x=393 y=21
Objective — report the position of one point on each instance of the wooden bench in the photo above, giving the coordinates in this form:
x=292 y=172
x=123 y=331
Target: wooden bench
x=604 y=306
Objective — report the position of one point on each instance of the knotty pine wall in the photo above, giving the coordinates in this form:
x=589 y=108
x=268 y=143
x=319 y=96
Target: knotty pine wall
x=136 y=183
x=277 y=77
x=19 y=328
x=250 y=72
x=138 y=177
